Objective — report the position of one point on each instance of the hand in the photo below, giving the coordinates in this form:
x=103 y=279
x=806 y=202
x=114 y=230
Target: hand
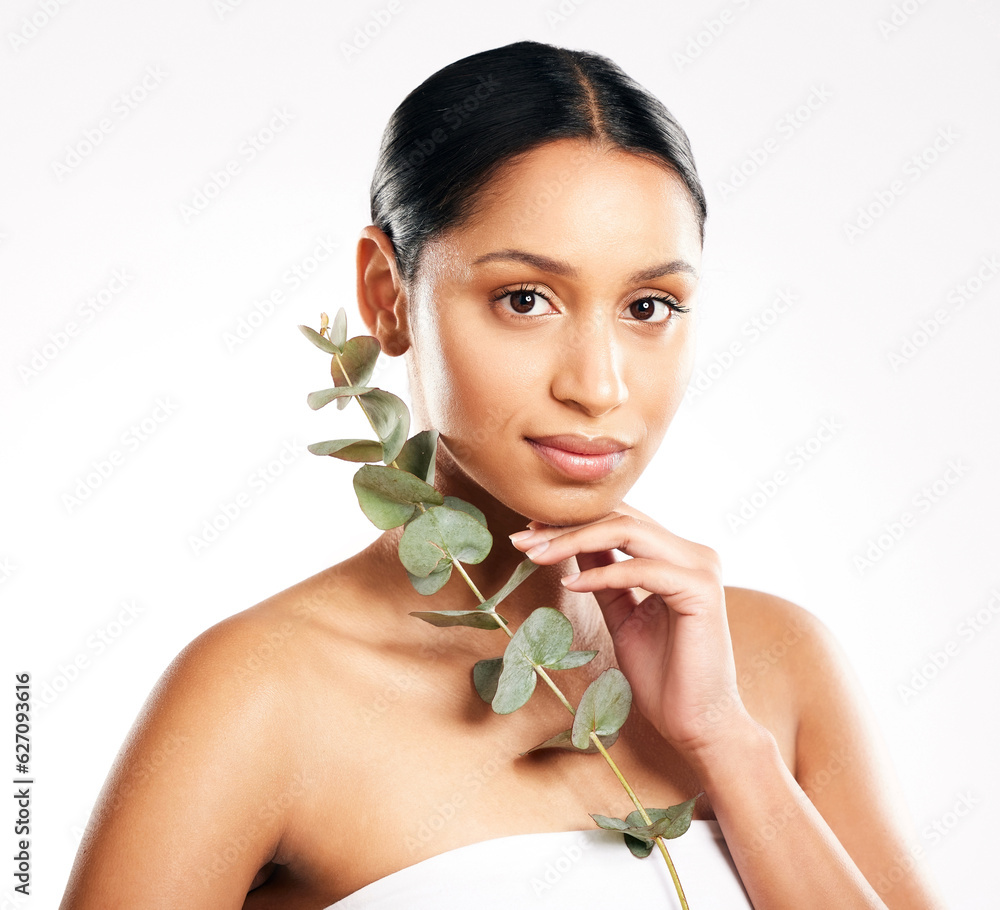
x=672 y=644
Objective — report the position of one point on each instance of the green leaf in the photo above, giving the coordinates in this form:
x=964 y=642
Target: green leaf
x=442 y=533
x=321 y=341
x=666 y=823
x=390 y=418
x=389 y=496
x=349 y=449
x=603 y=708
x=573 y=659
x=453 y=502
x=357 y=361
x=545 y=636
x=639 y=837
x=564 y=740
x=524 y=568
x=640 y=848
x=475 y=618
x=417 y=457
x=317 y=400
x=338 y=331
x=432 y=583
x=611 y=823
x=515 y=683
x=485 y=675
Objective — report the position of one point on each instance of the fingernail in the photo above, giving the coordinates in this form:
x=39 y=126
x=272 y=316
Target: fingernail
x=569 y=579
x=521 y=535
x=538 y=549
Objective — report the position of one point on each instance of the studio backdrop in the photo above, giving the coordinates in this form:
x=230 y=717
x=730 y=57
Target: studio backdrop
x=183 y=184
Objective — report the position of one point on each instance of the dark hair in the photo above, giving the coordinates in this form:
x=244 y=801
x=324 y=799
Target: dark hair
x=463 y=124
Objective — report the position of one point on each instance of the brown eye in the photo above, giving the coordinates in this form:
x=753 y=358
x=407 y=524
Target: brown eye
x=645 y=310
x=523 y=301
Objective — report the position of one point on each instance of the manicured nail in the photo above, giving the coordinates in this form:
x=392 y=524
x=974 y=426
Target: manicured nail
x=569 y=579
x=537 y=550
x=521 y=535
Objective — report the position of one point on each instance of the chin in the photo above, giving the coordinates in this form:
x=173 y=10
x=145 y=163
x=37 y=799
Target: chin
x=560 y=514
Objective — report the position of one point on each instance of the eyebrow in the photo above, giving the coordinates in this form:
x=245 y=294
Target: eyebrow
x=556 y=267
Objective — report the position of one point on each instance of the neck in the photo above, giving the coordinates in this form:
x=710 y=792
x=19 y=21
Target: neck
x=541 y=589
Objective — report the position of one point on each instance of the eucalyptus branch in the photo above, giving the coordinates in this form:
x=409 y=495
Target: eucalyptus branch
x=439 y=534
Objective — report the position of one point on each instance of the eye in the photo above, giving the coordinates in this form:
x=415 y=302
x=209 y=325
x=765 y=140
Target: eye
x=522 y=301
x=645 y=309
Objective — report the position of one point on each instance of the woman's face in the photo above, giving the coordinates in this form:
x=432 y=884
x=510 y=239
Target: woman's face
x=550 y=314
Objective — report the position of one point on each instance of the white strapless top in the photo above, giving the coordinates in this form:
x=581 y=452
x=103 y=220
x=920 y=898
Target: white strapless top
x=562 y=869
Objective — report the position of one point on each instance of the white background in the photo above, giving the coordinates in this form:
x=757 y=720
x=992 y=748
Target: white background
x=733 y=74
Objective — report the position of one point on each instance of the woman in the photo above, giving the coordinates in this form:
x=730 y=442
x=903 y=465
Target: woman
x=534 y=255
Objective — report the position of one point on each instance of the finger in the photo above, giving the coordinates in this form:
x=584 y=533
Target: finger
x=625 y=533
x=536 y=525
x=681 y=588
x=616 y=606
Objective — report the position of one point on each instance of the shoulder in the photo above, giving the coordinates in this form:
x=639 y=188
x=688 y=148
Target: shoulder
x=761 y=618
x=200 y=794
x=830 y=709
x=772 y=638
x=779 y=644
x=840 y=759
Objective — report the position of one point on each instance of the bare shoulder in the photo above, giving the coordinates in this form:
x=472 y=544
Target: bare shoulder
x=195 y=802
x=787 y=657
x=773 y=643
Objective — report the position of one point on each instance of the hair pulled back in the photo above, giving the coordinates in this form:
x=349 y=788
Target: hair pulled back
x=463 y=124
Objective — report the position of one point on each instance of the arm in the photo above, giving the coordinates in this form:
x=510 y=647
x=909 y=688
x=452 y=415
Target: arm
x=835 y=834
x=183 y=818
x=674 y=647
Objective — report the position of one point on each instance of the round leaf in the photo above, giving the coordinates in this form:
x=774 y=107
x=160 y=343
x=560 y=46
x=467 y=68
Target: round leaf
x=417 y=457
x=390 y=418
x=357 y=360
x=485 y=675
x=543 y=638
x=432 y=583
x=442 y=533
x=514 y=685
x=388 y=496
x=603 y=708
x=453 y=502
x=665 y=823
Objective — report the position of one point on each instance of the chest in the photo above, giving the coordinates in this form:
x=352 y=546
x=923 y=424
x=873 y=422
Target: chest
x=420 y=776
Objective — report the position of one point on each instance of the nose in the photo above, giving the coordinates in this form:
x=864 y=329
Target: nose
x=589 y=372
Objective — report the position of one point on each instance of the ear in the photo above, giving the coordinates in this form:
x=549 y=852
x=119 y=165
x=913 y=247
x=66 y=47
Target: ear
x=382 y=298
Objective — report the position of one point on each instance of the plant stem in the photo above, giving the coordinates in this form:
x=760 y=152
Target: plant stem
x=645 y=817
x=539 y=670
x=548 y=680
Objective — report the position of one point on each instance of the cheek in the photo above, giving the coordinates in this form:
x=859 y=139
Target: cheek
x=475 y=389
x=658 y=384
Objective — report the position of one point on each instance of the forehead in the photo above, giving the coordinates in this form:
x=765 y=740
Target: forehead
x=595 y=206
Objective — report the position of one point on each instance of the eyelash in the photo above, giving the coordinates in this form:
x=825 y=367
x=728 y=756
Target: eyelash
x=528 y=288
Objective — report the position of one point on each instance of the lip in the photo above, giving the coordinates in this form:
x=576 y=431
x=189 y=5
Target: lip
x=579 y=457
